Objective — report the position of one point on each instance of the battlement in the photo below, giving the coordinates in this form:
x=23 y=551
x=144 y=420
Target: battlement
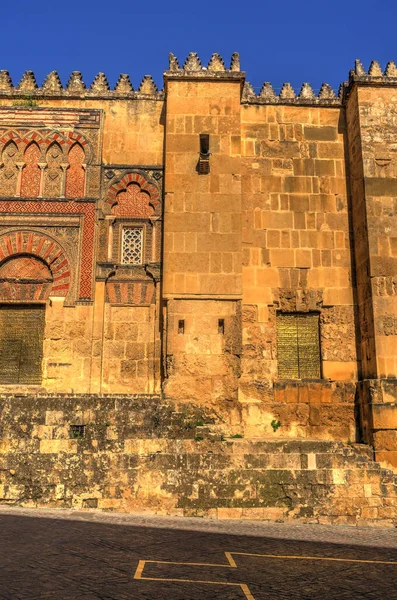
x=326 y=95
x=193 y=68
x=215 y=70
x=374 y=74
x=287 y=95
x=76 y=88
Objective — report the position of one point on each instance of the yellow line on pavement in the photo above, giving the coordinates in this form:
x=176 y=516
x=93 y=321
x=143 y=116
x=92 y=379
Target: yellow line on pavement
x=231 y=564
x=189 y=581
x=293 y=557
x=139 y=569
x=141 y=565
x=192 y=564
x=247 y=592
x=231 y=560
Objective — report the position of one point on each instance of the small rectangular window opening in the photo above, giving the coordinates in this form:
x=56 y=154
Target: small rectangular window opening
x=203 y=166
x=181 y=326
x=221 y=326
x=77 y=432
x=204 y=144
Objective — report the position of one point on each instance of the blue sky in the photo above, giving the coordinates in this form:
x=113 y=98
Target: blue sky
x=282 y=40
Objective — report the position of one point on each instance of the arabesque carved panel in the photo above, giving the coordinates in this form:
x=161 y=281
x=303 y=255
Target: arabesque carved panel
x=30 y=185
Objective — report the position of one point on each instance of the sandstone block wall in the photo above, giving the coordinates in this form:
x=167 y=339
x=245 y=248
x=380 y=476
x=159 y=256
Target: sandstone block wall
x=376 y=121
x=67 y=347
x=371 y=133
x=141 y=454
x=166 y=269
x=202 y=244
x=202 y=353
x=131 y=358
x=319 y=410
x=296 y=243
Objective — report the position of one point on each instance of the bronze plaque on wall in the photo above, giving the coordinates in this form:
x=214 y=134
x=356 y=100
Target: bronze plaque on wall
x=21 y=343
x=298 y=346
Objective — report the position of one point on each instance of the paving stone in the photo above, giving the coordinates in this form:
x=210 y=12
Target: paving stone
x=67 y=555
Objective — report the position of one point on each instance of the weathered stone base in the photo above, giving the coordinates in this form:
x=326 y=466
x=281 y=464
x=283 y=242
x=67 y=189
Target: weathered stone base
x=140 y=454
x=378 y=408
x=321 y=410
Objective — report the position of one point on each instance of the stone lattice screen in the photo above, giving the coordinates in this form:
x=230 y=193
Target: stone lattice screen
x=132 y=246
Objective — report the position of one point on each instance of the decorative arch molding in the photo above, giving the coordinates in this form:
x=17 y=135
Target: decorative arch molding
x=74 y=137
x=34 y=175
x=133 y=179
x=45 y=138
x=23 y=280
x=86 y=211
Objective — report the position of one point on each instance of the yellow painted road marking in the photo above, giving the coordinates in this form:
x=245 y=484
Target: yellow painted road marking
x=231 y=559
x=138 y=575
x=231 y=564
x=292 y=557
x=247 y=592
x=190 y=564
x=139 y=569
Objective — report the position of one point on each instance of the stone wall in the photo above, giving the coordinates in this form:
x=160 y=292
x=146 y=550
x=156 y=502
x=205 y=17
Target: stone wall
x=296 y=252
x=322 y=410
x=291 y=213
x=131 y=354
x=377 y=112
x=202 y=222
x=79 y=239
x=68 y=347
x=371 y=117
x=144 y=455
x=297 y=235
x=203 y=347
x=202 y=239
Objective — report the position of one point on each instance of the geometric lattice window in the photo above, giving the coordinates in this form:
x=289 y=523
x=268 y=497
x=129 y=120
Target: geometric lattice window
x=132 y=246
x=298 y=346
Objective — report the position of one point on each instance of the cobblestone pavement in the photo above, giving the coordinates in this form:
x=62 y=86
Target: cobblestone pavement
x=67 y=555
